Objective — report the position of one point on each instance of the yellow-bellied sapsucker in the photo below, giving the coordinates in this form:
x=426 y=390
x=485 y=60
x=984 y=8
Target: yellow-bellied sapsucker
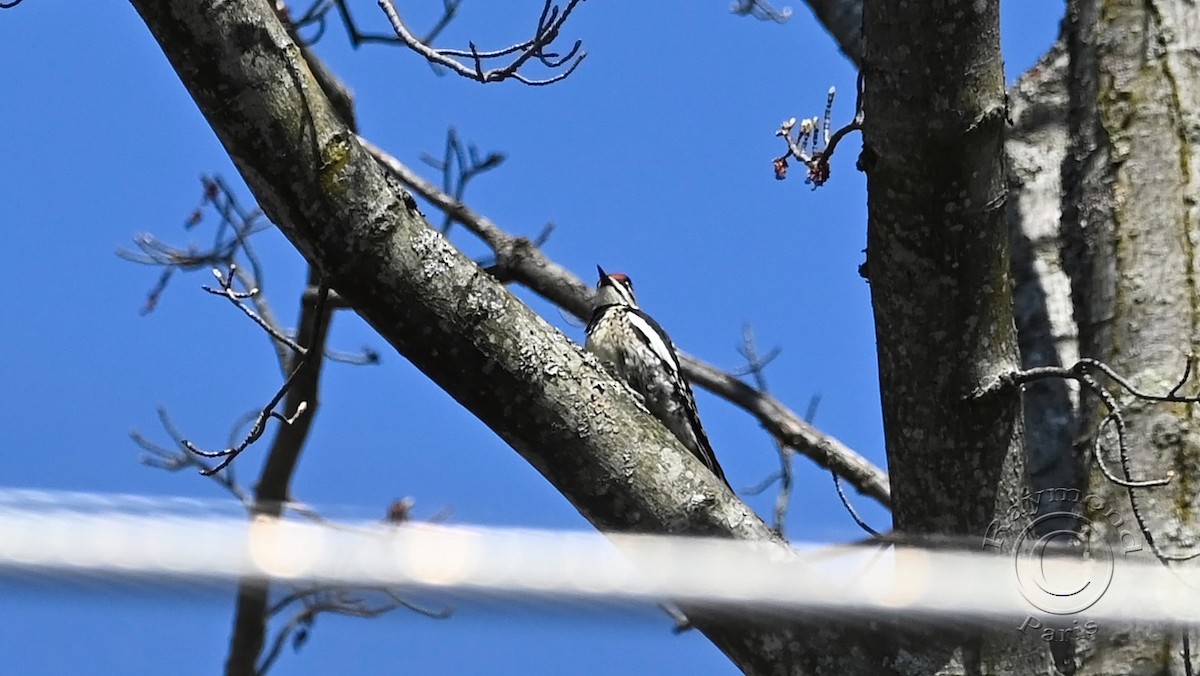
x=636 y=349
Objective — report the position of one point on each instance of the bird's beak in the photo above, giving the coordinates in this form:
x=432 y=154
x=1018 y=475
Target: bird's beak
x=603 y=274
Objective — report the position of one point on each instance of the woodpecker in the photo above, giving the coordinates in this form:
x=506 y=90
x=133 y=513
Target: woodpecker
x=637 y=350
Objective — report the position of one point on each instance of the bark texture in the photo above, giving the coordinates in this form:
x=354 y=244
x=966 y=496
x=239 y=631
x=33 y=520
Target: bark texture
x=937 y=261
x=1131 y=219
x=938 y=265
x=1036 y=146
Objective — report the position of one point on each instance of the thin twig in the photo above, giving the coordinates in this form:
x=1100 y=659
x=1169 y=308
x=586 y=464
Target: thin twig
x=226 y=291
x=449 y=11
x=368 y=356
x=228 y=455
x=756 y=366
x=1082 y=373
x=763 y=485
x=841 y=493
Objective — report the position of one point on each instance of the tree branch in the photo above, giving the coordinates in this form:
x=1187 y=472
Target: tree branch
x=519 y=260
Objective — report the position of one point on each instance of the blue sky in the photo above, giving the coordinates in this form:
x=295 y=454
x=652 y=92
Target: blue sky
x=653 y=159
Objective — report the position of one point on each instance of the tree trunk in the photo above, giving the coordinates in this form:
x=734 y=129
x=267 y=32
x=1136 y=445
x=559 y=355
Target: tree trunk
x=1131 y=219
x=938 y=265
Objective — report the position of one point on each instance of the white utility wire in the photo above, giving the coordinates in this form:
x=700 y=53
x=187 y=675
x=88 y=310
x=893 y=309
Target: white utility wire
x=133 y=538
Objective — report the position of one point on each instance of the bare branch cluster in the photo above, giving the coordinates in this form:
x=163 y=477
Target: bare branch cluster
x=469 y=63
x=459 y=164
x=317 y=15
x=228 y=454
x=241 y=285
x=756 y=365
x=309 y=602
x=230 y=243
x=813 y=142
x=180 y=457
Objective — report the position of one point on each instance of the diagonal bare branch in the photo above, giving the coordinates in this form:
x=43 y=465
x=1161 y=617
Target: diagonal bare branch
x=519 y=260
